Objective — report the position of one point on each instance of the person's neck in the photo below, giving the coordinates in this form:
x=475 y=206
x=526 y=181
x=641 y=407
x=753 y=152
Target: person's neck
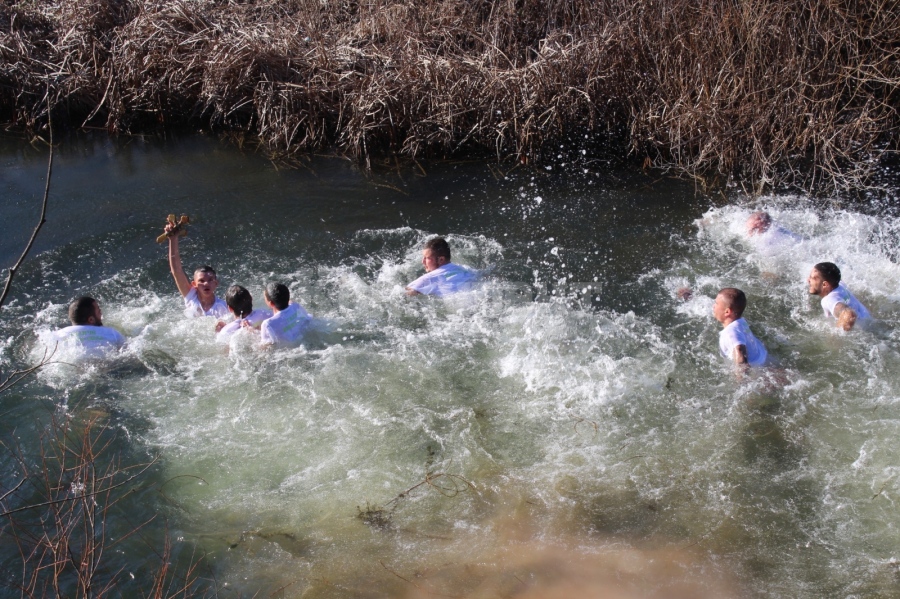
x=729 y=320
x=207 y=302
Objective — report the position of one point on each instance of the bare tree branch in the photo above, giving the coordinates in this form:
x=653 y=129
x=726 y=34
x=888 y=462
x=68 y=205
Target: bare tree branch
x=43 y=219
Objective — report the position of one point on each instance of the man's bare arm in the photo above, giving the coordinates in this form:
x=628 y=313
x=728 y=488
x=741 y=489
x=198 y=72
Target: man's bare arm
x=412 y=292
x=181 y=280
x=740 y=358
x=846 y=316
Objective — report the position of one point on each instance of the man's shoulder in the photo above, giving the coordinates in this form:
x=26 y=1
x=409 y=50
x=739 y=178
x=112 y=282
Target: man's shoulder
x=90 y=333
x=260 y=315
x=452 y=269
x=736 y=329
x=837 y=295
x=453 y=266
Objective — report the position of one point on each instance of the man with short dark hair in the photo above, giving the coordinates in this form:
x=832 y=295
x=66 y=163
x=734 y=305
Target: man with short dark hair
x=87 y=334
x=240 y=303
x=442 y=277
x=290 y=321
x=837 y=301
x=199 y=293
x=736 y=341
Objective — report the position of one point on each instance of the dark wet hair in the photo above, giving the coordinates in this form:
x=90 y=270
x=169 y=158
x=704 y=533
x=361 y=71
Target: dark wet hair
x=830 y=272
x=207 y=270
x=81 y=309
x=734 y=299
x=438 y=247
x=239 y=300
x=278 y=294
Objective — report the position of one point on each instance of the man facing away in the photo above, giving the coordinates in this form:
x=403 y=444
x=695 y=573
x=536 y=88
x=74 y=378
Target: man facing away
x=200 y=293
x=736 y=341
x=240 y=303
x=442 y=277
x=837 y=301
x=87 y=333
x=290 y=321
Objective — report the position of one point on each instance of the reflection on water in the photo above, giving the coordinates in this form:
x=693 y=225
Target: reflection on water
x=569 y=413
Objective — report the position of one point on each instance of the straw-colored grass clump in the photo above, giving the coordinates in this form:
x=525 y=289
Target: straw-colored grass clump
x=773 y=92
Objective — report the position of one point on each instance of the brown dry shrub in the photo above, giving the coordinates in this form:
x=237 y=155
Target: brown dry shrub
x=770 y=91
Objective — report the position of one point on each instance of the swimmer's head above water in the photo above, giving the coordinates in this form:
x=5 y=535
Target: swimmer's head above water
x=85 y=311
x=758 y=223
x=436 y=254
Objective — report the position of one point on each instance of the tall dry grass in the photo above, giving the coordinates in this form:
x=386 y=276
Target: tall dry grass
x=770 y=91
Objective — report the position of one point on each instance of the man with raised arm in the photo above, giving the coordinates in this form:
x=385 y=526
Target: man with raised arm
x=442 y=277
x=200 y=293
x=837 y=301
x=87 y=334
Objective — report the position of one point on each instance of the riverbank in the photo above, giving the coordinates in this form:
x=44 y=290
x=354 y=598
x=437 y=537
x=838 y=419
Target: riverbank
x=769 y=93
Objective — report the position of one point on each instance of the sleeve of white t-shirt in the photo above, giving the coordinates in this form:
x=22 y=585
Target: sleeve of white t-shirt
x=424 y=284
x=264 y=334
x=730 y=338
x=829 y=302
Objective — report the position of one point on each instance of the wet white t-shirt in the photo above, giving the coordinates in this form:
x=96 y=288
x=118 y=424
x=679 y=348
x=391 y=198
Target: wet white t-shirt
x=193 y=308
x=89 y=340
x=254 y=318
x=776 y=238
x=738 y=333
x=447 y=279
x=286 y=327
x=842 y=295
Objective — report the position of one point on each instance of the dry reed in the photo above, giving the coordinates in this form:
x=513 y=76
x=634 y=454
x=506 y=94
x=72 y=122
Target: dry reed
x=59 y=515
x=771 y=92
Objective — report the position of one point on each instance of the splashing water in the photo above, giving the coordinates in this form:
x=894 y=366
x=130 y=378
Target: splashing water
x=570 y=401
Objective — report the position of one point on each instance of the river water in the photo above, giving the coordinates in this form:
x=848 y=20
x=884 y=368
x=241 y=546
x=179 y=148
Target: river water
x=568 y=425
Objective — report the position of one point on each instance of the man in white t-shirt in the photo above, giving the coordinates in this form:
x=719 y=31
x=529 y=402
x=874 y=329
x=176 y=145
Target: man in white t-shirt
x=768 y=236
x=240 y=303
x=290 y=321
x=736 y=342
x=837 y=301
x=441 y=277
x=87 y=335
x=200 y=293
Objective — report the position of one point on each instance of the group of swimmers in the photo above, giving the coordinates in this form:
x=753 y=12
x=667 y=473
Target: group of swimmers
x=284 y=322
x=736 y=341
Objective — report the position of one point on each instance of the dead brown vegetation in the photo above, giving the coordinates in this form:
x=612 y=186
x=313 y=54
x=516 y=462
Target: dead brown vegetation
x=769 y=91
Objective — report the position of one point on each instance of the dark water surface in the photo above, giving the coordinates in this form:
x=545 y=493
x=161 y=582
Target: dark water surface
x=570 y=420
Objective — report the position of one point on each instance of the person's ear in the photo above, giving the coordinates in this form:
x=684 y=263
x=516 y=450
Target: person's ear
x=442 y=260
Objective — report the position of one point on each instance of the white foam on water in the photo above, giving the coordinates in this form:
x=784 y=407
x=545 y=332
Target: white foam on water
x=593 y=426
